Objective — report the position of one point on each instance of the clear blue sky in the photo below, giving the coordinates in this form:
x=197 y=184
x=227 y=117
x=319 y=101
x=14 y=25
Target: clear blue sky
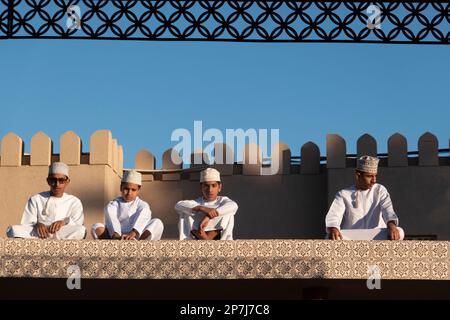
x=142 y=91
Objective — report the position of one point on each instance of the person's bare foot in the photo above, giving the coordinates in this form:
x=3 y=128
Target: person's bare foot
x=102 y=233
x=196 y=234
x=145 y=235
x=202 y=235
x=213 y=235
x=116 y=236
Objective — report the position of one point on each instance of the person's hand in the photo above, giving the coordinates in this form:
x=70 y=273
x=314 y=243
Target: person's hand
x=335 y=234
x=210 y=212
x=393 y=232
x=130 y=236
x=42 y=230
x=56 y=226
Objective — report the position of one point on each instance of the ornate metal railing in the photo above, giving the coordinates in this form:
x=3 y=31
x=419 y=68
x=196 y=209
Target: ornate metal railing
x=406 y=22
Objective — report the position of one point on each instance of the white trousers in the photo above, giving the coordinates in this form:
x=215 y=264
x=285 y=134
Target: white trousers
x=369 y=234
x=188 y=223
x=155 y=227
x=68 y=232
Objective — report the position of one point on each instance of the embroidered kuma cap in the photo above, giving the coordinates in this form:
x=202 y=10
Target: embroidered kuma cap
x=210 y=175
x=132 y=177
x=368 y=164
x=59 y=168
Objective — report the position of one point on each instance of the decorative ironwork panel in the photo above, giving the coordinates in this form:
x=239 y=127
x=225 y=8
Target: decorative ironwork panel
x=249 y=21
x=4 y=18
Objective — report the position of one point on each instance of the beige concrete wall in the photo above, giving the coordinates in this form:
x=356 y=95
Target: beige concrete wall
x=287 y=205
x=95 y=182
x=95 y=185
x=291 y=204
x=270 y=207
x=421 y=196
x=419 y=186
x=17 y=184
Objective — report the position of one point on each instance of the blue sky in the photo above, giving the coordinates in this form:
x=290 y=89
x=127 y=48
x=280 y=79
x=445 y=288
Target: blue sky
x=142 y=91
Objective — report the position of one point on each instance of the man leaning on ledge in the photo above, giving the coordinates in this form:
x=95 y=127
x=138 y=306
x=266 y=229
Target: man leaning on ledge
x=52 y=214
x=363 y=211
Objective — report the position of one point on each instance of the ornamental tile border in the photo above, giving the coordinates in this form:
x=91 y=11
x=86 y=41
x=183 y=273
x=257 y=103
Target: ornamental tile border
x=251 y=259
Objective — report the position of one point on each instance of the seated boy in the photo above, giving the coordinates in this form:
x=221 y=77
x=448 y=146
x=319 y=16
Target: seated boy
x=128 y=217
x=210 y=217
x=53 y=214
x=364 y=211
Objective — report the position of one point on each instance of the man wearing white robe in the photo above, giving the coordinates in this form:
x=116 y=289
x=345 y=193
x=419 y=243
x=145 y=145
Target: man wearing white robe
x=53 y=214
x=210 y=217
x=128 y=217
x=363 y=211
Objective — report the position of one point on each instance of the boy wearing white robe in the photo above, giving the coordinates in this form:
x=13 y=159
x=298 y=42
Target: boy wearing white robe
x=53 y=214
x=128 y=217
x=210 y=217
x=363 y=211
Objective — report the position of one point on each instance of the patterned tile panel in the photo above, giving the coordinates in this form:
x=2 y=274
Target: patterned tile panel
x=252 y=259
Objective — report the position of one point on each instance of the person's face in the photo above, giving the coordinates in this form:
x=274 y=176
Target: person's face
x=365 y=181
x=58 y=183
x=210 y=190
x=129 y=191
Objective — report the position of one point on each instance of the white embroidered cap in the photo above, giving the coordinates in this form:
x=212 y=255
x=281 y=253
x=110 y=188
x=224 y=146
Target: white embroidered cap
x=368 y=164
x=132 y=177
x=210 y=175
x=59 y=168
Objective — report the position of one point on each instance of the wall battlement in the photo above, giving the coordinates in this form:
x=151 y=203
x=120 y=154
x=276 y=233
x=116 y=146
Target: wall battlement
x=104 y=150
x=309 y=162
x=95 y=176
x=291 y=204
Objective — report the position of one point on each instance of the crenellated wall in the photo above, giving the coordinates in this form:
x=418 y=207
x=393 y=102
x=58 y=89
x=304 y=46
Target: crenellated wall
x=419 y=186
x=287 y=205
x=290 y=204
x=95 y=176
x=293 y=202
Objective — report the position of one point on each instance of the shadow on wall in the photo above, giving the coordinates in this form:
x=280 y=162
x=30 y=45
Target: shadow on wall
x=290 y=204
x=419 y=185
